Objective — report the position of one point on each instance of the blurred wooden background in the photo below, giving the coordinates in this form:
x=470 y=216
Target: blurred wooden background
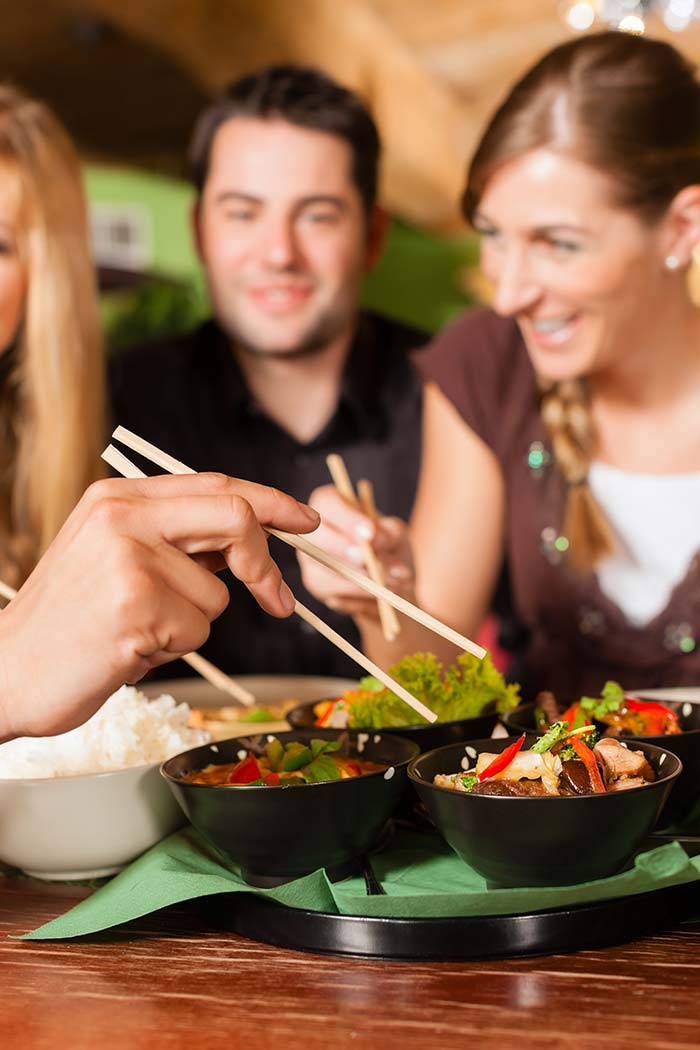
x=128 y=76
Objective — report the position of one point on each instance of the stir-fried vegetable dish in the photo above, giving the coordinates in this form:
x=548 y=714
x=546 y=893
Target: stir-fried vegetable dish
x=622 y=715
x=284 y=765
x=562 y=762
x=464 y=690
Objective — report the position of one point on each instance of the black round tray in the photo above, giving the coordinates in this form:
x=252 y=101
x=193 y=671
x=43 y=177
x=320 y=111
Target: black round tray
x=599 y=924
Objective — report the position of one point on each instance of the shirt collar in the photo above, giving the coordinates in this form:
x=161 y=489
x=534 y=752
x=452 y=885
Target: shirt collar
x=359 y=394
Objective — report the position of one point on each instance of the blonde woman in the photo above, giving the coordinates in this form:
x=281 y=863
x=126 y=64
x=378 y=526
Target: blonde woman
x=562 y=427
x=51 y=365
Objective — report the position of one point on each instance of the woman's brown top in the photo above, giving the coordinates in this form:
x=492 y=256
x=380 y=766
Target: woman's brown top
x=578 y=638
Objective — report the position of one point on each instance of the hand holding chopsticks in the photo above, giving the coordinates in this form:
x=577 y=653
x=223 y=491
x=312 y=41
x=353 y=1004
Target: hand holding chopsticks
x=172 y=465
x=364 y=500
x=127 y=585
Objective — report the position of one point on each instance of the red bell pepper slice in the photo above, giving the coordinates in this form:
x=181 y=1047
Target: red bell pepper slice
x=655 y=716
x=589 y=760
x=245 y=771
x=501 y=761
x=272 y=779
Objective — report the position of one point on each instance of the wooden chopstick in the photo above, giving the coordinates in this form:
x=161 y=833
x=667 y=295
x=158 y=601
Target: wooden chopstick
x=341 y=479
x=399 y=603
x=365 y=494
x=120 y=462
x=6 y=591
x=218 y=678
x=364 y=661
x=161 y=459
x=214 y=675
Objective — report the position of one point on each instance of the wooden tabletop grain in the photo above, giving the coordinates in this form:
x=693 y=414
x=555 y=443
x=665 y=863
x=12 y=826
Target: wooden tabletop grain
x=169 y=982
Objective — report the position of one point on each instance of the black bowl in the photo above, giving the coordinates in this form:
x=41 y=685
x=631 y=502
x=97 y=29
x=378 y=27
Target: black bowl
x=540 y=841
x=275 y=834
x=686 y=746
x=426 y=736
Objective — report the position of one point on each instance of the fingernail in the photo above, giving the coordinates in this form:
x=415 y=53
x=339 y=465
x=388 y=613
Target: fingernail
x=286 y=598
x=310 y=513
x=355 y=554
x=364 y=531
x=400 y=572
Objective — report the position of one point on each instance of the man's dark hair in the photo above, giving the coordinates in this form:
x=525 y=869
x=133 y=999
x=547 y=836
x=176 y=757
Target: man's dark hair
x=301 y=96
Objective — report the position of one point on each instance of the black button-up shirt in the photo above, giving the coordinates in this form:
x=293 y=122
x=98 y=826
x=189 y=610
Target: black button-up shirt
x=188 y=396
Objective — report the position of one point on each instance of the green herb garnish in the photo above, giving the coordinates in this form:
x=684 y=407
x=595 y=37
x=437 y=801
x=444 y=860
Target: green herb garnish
x=556 y=732
x=611 y=699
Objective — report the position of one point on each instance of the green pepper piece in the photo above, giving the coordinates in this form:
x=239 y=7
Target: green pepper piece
x=296 y=755
x=322 y=768
x=275 y=753
x=322 y=747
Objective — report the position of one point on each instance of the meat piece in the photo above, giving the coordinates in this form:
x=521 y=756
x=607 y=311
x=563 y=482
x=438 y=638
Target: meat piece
x=575 y=778
x=548 y=703
x=620 y=761
x=510 y=787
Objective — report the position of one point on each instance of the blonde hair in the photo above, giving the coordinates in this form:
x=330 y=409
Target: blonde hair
x=52 y=401
x=630 y=107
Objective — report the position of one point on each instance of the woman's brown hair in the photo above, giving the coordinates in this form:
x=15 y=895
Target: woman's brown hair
x=52 y=399
x=630 y=107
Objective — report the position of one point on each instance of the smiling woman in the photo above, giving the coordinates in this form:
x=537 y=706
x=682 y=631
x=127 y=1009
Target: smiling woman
x=561 y=427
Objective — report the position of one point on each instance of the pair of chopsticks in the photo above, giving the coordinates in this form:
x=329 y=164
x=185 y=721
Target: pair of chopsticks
x=203 y=667
x=364 y=500
x=161 y=459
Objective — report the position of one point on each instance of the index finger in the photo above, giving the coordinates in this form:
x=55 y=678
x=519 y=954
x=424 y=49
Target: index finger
x=271 y=506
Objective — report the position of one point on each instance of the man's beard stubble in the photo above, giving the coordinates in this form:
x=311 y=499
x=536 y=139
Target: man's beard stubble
x=326 y=330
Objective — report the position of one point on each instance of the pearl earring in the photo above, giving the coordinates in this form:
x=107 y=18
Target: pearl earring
x=672 y=262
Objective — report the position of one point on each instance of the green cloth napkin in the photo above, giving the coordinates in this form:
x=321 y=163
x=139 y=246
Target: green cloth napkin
x=420 y=875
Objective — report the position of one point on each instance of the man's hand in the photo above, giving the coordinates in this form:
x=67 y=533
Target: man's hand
x=128 y=584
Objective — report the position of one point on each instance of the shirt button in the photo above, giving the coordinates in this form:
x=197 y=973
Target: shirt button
x=306 y=628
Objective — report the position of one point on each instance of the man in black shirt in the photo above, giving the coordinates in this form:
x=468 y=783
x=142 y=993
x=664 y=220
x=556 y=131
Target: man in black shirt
x=290 y=368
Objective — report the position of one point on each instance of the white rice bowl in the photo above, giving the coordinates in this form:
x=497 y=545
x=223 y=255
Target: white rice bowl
x=86 y=803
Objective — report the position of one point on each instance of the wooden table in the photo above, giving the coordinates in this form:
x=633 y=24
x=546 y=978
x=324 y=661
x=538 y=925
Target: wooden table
x=168 y=982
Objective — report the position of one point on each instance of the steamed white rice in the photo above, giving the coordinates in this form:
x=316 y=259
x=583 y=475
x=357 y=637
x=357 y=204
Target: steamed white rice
x=128 y=730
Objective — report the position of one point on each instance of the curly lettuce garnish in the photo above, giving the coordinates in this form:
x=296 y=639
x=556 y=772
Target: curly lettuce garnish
x=465 y=690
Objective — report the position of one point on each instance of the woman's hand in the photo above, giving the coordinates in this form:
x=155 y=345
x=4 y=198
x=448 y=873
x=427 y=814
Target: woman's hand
x=342 y=532
x=128 y=585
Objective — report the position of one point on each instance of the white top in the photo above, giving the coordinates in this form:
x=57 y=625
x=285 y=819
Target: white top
x=656 y=518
